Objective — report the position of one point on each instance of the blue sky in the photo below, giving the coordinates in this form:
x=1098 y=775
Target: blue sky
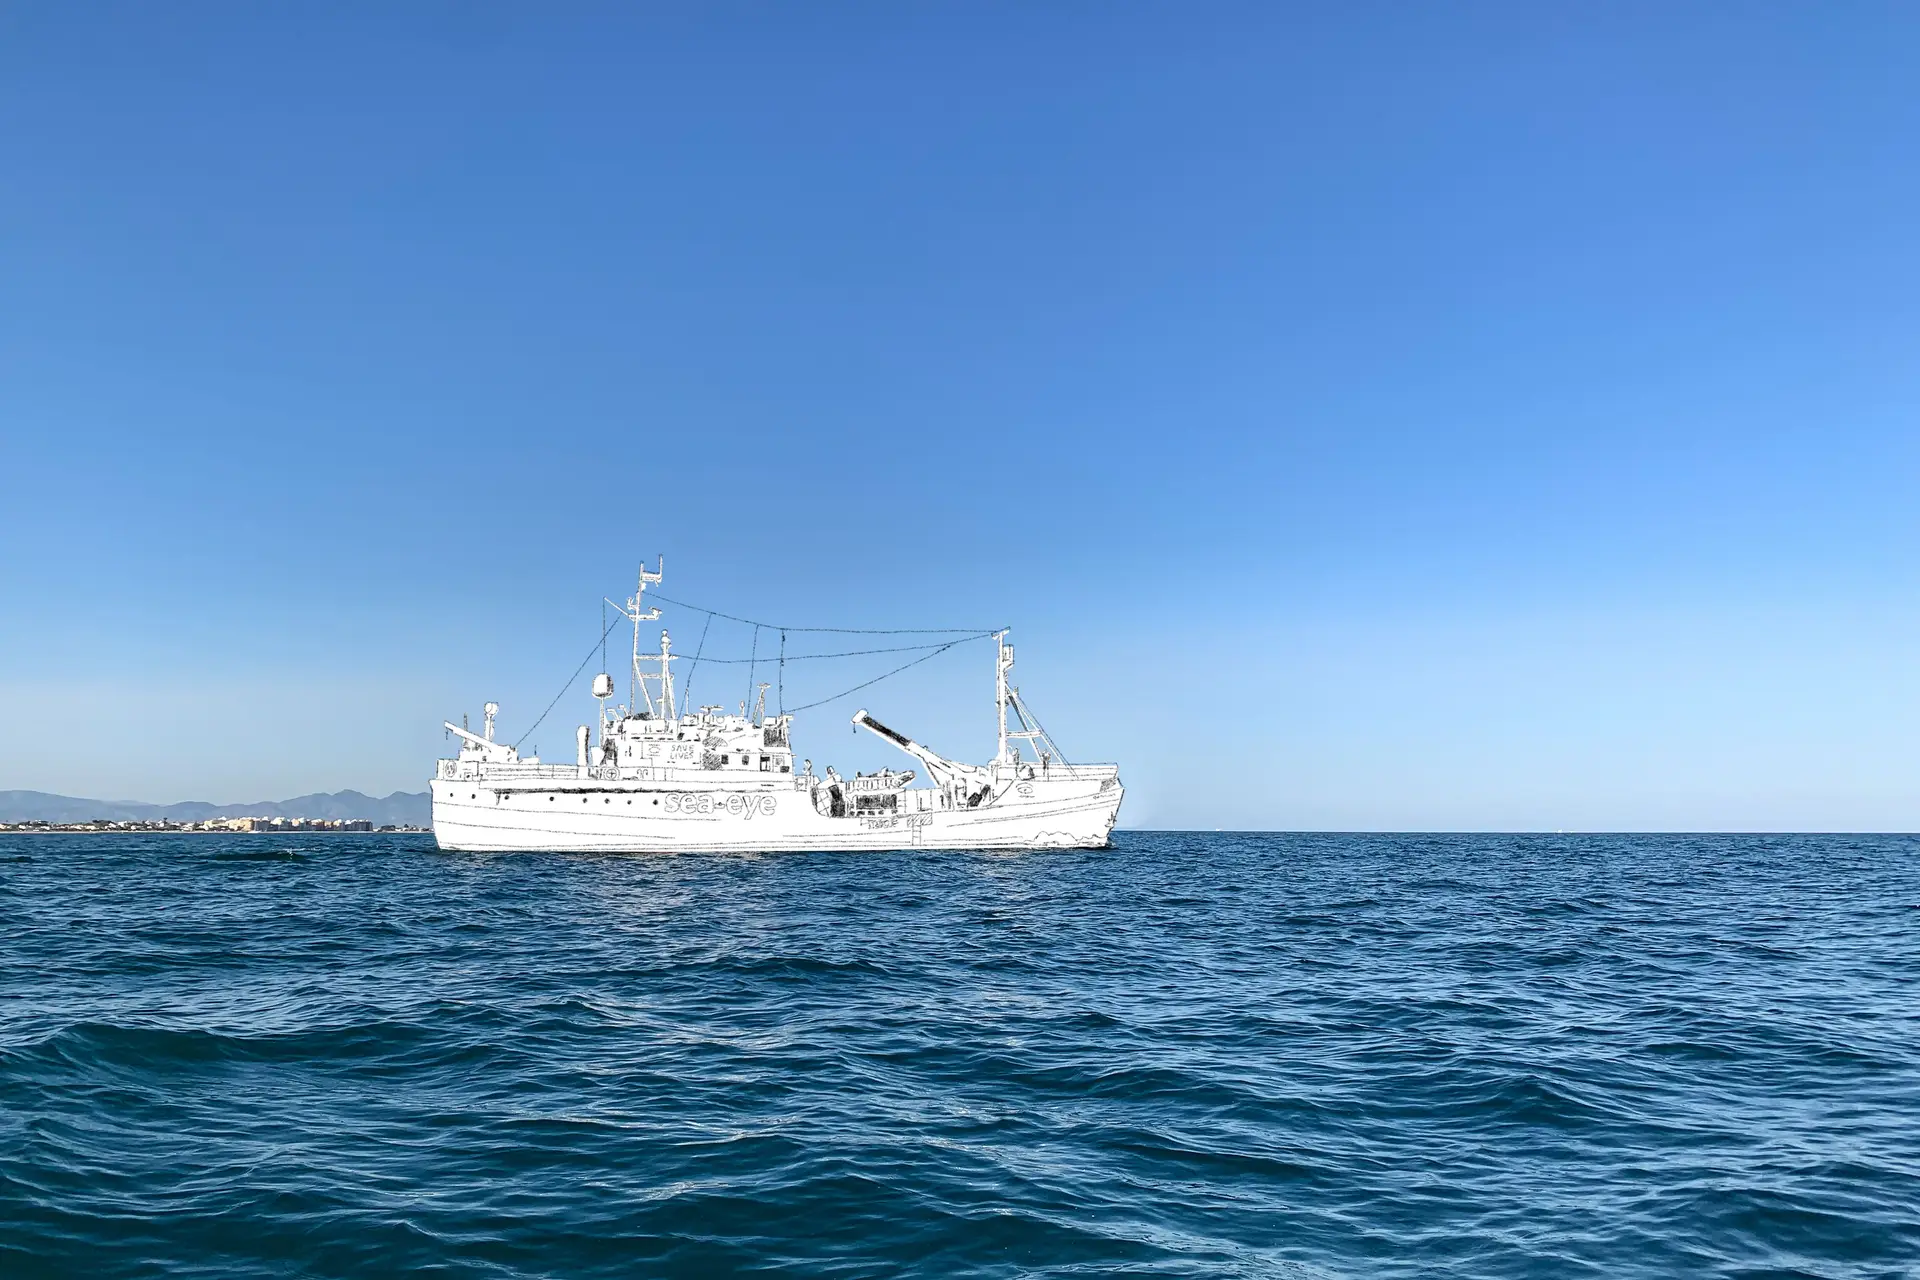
x=1475 y=416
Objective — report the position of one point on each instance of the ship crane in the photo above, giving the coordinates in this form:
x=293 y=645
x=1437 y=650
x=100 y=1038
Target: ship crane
x=964 y=784
x=484 y=747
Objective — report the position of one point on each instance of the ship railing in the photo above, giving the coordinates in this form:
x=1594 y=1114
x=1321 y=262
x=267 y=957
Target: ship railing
x=1070 y=772
x=508 y=772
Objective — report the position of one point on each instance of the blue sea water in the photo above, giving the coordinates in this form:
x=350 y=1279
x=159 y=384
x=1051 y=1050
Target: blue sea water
x=1189 y=1055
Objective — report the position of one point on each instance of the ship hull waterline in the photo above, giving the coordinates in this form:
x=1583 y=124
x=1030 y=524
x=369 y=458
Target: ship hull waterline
x=469 y=816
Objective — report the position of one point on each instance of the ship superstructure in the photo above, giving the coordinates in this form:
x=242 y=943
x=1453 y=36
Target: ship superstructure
x=659 y=777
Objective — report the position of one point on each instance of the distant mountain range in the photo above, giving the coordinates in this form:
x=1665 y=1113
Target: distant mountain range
x=402 y=808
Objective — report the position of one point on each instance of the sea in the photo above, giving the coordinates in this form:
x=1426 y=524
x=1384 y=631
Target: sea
x=1192 y=1054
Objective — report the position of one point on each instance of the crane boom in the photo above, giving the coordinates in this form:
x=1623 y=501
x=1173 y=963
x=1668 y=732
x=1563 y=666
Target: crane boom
x=496 y=751
x=961 y=778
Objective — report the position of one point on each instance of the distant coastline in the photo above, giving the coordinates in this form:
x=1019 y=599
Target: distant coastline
x=228 y=827
x=318 y=811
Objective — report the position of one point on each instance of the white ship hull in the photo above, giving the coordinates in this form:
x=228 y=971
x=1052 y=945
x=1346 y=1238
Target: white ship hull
x=581 y=815
x=665 y=778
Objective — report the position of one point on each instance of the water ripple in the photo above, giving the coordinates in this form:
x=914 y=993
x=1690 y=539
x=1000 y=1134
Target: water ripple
x=1192 y=1055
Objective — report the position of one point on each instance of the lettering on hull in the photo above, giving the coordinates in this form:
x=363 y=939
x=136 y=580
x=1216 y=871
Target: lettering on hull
x=699 y=802
x=896 y=822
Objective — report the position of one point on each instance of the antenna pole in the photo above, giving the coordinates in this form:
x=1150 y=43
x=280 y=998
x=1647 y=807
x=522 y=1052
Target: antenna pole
x=633 y=612
x=666 y=674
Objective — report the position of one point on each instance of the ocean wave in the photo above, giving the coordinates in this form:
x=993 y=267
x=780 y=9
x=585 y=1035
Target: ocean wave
x=1191 y=1055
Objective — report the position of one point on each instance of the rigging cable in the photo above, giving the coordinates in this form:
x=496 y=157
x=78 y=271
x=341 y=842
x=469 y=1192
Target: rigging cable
x=896 y=671
x=859 y=653
x=686 y=694
x=568 y=685
x=849 y=631
x=937 y=648
x=1026 y=713
x=752 y=664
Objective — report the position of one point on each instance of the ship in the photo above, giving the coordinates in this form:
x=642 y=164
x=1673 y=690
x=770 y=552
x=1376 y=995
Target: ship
x=658 y=777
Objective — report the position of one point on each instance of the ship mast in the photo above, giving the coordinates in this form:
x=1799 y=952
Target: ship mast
x=637 y=690
x=1003 y=660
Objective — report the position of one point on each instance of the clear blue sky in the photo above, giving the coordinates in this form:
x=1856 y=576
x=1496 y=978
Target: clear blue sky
x=1479 y=416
